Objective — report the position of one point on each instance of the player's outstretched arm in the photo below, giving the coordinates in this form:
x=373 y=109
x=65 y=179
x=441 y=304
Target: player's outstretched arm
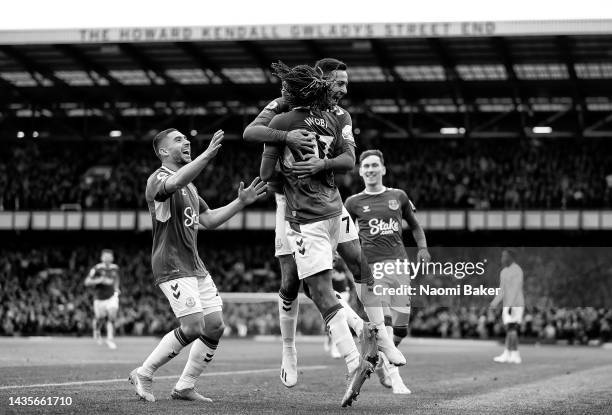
x=212 y=218
x=190 y=171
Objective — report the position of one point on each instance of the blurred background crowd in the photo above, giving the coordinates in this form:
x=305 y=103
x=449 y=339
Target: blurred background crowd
x=42 y=293
x=479 y=174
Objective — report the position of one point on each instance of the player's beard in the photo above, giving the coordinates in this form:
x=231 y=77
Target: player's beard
x=335 y=98
x=182 y=159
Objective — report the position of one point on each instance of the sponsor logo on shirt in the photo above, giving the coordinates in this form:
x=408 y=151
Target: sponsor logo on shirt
x=366 y=208
x=191 y=217
x=161 y=176
x=380 y=227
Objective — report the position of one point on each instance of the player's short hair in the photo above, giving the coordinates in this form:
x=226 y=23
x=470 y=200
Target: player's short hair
x=511 y=253
x=158 y=139
x=328 y=65
x=303 y=86
x=369 y=153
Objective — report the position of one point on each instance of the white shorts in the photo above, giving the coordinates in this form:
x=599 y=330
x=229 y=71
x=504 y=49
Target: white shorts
x=348 y=230
x=394 y=280
x=512 y=314
x=106 y=308
x=190 y=295
x=313 y=245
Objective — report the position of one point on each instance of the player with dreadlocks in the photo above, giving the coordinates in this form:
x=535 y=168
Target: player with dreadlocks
x=297 y=140
x=314 y=207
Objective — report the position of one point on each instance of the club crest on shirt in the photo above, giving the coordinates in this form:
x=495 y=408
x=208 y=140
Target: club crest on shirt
x=190 y=302
x=272 y=105
x=393 y=204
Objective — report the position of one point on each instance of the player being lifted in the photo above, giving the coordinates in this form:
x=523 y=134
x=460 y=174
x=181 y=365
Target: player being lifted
x=314 y=207
x=300 y=141
x=379 y=212
x=513 y=302
x=177 y=211
x=104 y=278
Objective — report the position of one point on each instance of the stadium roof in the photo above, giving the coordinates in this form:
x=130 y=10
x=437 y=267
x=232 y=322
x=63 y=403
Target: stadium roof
x=490 y=79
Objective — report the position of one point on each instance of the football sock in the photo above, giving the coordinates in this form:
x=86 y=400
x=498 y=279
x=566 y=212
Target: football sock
x=169 y=346
x=201 y=354
x=335 y=318
x=354 y=321
x=287 y=311
x=110 y=330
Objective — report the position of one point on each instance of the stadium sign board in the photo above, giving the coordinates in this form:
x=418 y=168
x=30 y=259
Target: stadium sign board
x=305 y=31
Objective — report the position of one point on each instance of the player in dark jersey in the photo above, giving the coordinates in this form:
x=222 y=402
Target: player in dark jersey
x=379 y=212
x=300 y=142
x=176 y=212
x=313 y=205
x=104 y=278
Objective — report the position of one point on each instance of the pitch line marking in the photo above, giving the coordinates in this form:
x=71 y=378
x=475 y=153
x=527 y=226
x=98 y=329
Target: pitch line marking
x=95 y=382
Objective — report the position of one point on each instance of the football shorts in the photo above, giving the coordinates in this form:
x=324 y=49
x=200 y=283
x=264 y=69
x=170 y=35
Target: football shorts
x=190 y=295
x=391 y=285
x=107 y=307
x=313 y=244
x=512 y=315
x=348 y=230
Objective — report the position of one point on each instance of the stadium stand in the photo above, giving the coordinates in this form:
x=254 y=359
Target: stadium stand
x=472 y=174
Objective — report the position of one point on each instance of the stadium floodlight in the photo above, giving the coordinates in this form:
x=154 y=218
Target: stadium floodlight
x=20 y=134
x=541 y=130
x=115 y=133
x=194 y=133
x=35 y=134
x=452 y=130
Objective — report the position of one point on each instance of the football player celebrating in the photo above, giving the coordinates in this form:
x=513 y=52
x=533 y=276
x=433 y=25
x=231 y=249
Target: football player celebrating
x=177 y=211
x=314 y=207
x=300 y=142
x=379 y=212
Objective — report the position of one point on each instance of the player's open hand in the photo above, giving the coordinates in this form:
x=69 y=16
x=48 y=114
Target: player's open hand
x=256 y=190
x=423 y=255
x=301 y=141
x=309 y=167
x=214 y=146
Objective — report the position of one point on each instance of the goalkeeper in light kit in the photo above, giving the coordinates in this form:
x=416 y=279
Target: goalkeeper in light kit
x=513 y=302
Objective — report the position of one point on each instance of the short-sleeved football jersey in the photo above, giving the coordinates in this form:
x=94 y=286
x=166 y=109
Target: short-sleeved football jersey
x=316 y=197
x=379 y=218
x=105 y=291
x=279 y=106
x=175 y=220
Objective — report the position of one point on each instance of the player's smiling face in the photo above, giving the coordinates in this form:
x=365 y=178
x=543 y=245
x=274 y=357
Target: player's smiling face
x=178 y=147
x=339 y=86
x=372 y=170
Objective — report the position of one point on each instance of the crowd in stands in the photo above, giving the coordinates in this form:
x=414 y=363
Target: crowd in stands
x=42 y=292
x=477 y=173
